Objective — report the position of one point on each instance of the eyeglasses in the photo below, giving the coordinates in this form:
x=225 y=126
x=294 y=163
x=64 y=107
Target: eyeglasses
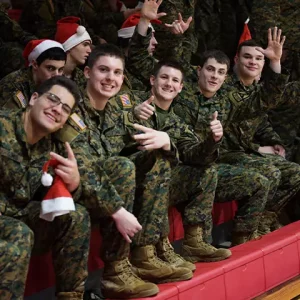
x=53 y=99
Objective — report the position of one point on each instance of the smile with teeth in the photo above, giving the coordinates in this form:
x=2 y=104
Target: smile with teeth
x=108 y=86
x=51 y=117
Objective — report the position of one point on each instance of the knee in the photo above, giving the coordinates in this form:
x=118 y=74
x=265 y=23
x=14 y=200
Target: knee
x=80 y=217
x=23 y=236
x=119 y=164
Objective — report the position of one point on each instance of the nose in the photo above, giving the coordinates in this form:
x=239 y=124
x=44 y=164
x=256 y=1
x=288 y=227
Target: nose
x=89 y=49
x=154 y=41
x=57 y=108
x=55 y=73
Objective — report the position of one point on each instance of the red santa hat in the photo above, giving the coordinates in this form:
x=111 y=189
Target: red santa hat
x=35 y=48
x=58 y=200
x=70 y=33
x=246 y=34
x=129 y=25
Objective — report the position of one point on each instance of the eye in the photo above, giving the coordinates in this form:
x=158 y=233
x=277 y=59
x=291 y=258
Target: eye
x=119 y=72
x=222 y=72
x=50 y=68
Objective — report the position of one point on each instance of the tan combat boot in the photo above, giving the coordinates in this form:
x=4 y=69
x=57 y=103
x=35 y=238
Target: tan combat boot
x=69 y=296
x=239 y=238
x=194 y=249
x=165 y=251
x=149 y=267
x=120 y=282
x=268 y=223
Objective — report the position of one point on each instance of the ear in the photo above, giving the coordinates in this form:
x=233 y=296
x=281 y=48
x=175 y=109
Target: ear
x=198 y=70
x=87 y=72
x=33 y=98
x=152 y=79
x=236 y=59
x=181 y=87
x=34 y=65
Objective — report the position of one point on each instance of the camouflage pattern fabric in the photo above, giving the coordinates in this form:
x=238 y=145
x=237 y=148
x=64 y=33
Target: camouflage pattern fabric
x=68 y=235
x=16 y=242
x=79 y=78
x=16 y=89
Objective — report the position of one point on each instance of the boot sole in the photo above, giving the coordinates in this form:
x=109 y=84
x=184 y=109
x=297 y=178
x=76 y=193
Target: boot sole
x=187 y=276
x=195 y=259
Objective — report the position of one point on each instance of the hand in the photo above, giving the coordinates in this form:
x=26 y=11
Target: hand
x=279 y=150
x=126 y=223
x=216 y=127
x=145 y=110
x=152 y=139
x=67 y=169
x=150 y=8
x=275 y=45
x=266 y=150
x=130 y=11
x=179 y=26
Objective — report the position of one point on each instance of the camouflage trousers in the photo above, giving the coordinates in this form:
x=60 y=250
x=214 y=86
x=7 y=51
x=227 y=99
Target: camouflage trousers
x=68 y=237
x=192 y=190
x=16 y=242
x=11 y=58
x=283 y=176
x=249 y=188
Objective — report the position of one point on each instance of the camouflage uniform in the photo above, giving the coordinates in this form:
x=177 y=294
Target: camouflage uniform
x=242 y=140
x=105 y=135
x=284 y=15
x=16 y=242
x=68 y=235
x=16 y=89
x=196 y=110
x=193 y=182
x=12 y=41
x=140 y=64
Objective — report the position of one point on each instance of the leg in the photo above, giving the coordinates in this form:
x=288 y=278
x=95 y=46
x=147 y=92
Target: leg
x=16 y=242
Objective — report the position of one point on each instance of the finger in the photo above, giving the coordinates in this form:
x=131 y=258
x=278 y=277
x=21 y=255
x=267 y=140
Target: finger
x=214 y=116
x=144 y=117
x=139 y=137
x=150 y=100
x=159 y=15
x=261 y=50
x=269 y=35
x=215 y=122
x=59 y=158
x=278 y=35
x=180 y=29
x=159 y=2
x=147 y=108
x=65 y=169
x=275 y=33
x=282 y=40
x=126 y=237
x=70 y=152
x=180 y=17
x=169 y=25
x=64 y=176
x=147 y=115
x=189 y=20
x=142 y=128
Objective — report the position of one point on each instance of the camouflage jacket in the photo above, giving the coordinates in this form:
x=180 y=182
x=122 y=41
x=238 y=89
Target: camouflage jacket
x=20 y=165
x=79 y=78
x=10 y=31
x=16 y=89
x=234 y=108
x=140 y=64
x=192 y=149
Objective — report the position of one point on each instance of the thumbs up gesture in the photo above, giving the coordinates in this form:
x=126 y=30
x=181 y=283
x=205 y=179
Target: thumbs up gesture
x=145 y=110
x=216 y=127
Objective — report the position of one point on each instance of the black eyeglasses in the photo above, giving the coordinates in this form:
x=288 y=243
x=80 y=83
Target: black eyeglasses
x=53 y=99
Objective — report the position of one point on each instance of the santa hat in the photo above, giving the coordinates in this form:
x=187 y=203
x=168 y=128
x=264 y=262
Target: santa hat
x=246 y=35
x=129 y=25
x=58 y=200
x=70 y=33
x=35 y=48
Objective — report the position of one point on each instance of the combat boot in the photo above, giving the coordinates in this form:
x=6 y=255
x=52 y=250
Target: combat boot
x=195 y=249
x=268 y=223
x=166 y=252
x=119 y=282
x=69 y=296
x=149 y=267
x=239 y=238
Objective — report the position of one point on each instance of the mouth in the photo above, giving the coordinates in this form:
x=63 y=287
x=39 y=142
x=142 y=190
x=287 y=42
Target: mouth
x=252 y=68
x=212 y=83
x=107 y=87
x=51 y=117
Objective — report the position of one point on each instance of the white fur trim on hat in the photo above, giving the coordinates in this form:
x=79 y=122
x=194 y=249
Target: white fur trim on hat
x=42 y=47
x=127 y=32
x=52 y=208
x=80 y=36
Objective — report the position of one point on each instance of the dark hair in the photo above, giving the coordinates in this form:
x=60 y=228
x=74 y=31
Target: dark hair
x=249 y=43
x=54 y=53
x=168 y=63
x=218 y=55
x=63 y=81
x=123 y=43
x=105 y=50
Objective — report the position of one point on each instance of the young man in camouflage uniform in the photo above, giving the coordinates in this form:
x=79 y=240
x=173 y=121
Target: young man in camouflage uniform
x=130 y=197
x=25 y=143
x=45 y=58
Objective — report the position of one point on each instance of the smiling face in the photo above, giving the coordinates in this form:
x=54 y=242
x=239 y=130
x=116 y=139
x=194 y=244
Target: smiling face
x=249 y=63
x=105 y=78
x=166 y=85
x=211 y=77
x=44 y=115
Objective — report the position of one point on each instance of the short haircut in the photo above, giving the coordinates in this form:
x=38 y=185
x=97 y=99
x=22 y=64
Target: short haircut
x=248 y=43
x=63 y=81
x=218 y=55
x=55 y=53
x=105 y=50
x=172 y=63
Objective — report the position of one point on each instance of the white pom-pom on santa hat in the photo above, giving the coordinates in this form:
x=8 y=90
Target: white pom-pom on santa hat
x=58 y=200
x=70 y=33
